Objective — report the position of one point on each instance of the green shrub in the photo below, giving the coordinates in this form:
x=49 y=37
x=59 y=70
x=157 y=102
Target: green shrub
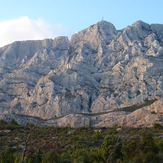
x=7 y=156
x=41 y=136
x=140 y=150
x=11 y=144
x=2 y=122
x=30 y=125
x=108 y=146
x=97 y=135
x=13 y=122
x=51 y=157
x=18 y=159
x=159 y=143
x=157 y=125
x=74 y=138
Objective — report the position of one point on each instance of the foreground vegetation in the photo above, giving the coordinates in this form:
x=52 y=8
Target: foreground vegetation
x=81 y=145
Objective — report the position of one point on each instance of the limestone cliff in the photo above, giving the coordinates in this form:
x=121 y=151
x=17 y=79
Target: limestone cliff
x=99 y=70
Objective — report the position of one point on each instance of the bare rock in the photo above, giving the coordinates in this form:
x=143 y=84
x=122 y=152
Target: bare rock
x=99 y=70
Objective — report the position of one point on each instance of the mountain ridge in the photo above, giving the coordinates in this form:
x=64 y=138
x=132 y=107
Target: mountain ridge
x=100 y=69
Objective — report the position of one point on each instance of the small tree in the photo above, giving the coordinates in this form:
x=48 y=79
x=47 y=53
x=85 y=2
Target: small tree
x=13 y=122
x=109 y=145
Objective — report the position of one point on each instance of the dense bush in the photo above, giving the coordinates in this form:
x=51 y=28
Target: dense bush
x=7 y=156
x=81 y=145
x=140 y=150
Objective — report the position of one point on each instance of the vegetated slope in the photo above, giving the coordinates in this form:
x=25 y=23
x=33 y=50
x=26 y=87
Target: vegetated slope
x=99 y=70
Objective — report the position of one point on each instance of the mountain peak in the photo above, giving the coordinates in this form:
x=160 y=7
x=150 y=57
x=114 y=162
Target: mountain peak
x=102 y=31
x=105 y=23
x=140 y=24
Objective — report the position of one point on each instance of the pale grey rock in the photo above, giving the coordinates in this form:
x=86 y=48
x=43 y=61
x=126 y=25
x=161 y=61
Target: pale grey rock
x=102 y=32
x=158 y=29
x=146 y=116
x=99 y=70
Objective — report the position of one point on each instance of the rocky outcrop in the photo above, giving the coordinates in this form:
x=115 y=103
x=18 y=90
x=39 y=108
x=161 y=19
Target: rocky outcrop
x=144 y=117
x=99 y=70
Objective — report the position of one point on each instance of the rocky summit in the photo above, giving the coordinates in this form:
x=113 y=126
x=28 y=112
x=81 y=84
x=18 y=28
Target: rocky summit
x=101 y=77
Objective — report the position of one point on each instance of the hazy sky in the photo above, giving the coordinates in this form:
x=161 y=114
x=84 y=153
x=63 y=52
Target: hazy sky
x=39 y=19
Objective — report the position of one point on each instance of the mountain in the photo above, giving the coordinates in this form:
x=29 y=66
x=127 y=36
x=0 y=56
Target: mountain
x=98 y=71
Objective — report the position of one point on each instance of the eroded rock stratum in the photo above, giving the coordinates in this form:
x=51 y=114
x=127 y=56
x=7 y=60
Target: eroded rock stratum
x=99 y=70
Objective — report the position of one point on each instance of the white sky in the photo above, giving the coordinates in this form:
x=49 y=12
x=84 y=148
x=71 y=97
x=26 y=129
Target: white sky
x=23 y=28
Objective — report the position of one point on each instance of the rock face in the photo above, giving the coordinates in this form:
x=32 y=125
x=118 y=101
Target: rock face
x=99 y=70
x=145 y=116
